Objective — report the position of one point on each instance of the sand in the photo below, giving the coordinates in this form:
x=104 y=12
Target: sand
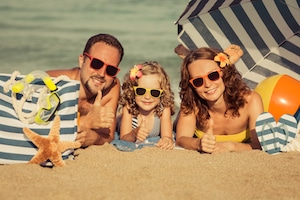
x=103 y=172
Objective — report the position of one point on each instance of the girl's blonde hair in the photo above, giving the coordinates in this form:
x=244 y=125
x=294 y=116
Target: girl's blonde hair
x=127 y=97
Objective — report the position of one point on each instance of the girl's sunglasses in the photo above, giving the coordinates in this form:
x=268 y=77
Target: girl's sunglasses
x=140 y=91
x=98 y=64
x=198 y=81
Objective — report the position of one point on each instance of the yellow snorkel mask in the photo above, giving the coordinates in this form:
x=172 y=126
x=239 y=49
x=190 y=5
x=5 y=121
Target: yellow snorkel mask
x=47 y=103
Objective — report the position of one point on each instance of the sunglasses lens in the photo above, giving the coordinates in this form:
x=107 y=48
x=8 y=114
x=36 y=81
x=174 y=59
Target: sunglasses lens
x=155 y=93
x=111 y=70
x=213 y=76
x=96 y=64
x=198 y=82
x=140 y=91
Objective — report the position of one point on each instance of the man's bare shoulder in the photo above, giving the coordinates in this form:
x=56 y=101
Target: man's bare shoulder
x=71 y=73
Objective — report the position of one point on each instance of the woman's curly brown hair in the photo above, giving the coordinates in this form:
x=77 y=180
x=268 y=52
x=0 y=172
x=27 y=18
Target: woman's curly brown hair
x=127 y=97
x=234 y=94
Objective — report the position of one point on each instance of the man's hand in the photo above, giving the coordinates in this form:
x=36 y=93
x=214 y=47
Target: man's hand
x=100 y=116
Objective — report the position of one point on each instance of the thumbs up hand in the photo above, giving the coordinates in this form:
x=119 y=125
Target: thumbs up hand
x=100 y=116
x=98 y=98
x=143 y=132
x=208 y=141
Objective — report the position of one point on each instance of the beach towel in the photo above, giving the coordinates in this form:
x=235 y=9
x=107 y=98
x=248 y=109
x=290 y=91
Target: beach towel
x=15 y=147
x=131 y=146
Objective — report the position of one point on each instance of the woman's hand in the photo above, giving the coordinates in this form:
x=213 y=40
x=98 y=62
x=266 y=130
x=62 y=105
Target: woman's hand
x=222 y=147
x=208 y=141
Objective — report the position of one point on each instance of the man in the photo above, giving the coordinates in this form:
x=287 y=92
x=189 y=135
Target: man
x=99 y=88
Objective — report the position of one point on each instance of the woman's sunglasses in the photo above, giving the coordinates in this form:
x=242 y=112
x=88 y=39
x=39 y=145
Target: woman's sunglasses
x=98 y=64
x=198 y=81
x=140 y=91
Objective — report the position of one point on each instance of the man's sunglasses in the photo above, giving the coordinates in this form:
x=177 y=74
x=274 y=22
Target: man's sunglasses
x=98 y=64
x=140 y=91
x=198 y=81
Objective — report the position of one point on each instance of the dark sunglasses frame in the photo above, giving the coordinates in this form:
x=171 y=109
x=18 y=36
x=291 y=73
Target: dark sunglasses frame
x=98 y=64
x=151 y=91
x=199 y=80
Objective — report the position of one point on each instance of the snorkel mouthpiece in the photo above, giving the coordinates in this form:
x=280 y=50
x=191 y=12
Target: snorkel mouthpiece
x=29 y=78
x=19 y=86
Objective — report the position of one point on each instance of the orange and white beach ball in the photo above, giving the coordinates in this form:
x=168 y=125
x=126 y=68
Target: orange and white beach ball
x=280 y=95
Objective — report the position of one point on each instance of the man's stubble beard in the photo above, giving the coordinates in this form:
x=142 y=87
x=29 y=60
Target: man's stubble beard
x=89 y=88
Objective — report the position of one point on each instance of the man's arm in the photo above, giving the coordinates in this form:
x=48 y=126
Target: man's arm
x=71 y=73
x=98 y=126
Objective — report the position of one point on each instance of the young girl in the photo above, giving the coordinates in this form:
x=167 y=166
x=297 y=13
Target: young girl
x=218 y=110
x=147 y=105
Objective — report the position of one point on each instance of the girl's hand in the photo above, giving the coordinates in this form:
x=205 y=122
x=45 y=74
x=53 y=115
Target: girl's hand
x=166 y=143
x=143 y=132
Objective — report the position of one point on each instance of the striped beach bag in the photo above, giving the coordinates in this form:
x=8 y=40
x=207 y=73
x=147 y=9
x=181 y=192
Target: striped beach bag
x=32 y=101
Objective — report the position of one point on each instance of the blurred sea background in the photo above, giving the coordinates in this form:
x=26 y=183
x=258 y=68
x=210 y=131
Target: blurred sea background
x=52 y=34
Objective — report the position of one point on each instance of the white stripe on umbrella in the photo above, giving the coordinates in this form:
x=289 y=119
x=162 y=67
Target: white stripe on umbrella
x=267 y=31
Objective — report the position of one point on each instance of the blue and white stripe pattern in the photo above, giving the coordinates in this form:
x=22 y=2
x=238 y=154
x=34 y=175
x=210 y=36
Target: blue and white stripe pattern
x=268 y=31
x=135 y=123
x=266 y=130
x=15 y=147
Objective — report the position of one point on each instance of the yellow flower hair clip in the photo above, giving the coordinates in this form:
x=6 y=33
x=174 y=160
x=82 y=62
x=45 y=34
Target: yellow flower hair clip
x=222 y=59
x=136 y=72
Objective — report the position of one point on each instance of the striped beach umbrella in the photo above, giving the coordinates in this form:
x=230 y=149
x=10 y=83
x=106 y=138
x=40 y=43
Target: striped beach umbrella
x=268 y=31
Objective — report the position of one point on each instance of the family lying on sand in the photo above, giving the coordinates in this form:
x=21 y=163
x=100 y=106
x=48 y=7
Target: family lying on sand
x=218 y=111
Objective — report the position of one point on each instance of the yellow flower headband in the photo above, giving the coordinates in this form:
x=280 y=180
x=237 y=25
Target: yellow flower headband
x=222 y=59
x=136 y=72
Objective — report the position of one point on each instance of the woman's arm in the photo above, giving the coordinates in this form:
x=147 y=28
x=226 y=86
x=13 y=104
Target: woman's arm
x=255 y=109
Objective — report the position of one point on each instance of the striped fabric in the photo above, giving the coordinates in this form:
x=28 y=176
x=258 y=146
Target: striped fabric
x=267 y=30
x=15 y=147
x=134 y=123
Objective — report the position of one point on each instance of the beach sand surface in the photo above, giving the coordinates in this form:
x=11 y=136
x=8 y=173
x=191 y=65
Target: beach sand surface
x=103 y=172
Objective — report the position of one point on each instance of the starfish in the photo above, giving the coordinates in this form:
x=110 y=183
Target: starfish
x=50 y=148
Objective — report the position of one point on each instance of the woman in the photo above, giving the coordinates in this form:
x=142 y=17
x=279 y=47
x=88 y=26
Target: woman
x=218 y=110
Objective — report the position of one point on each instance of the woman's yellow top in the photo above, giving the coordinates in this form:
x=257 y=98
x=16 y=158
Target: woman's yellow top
x=239 y=137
